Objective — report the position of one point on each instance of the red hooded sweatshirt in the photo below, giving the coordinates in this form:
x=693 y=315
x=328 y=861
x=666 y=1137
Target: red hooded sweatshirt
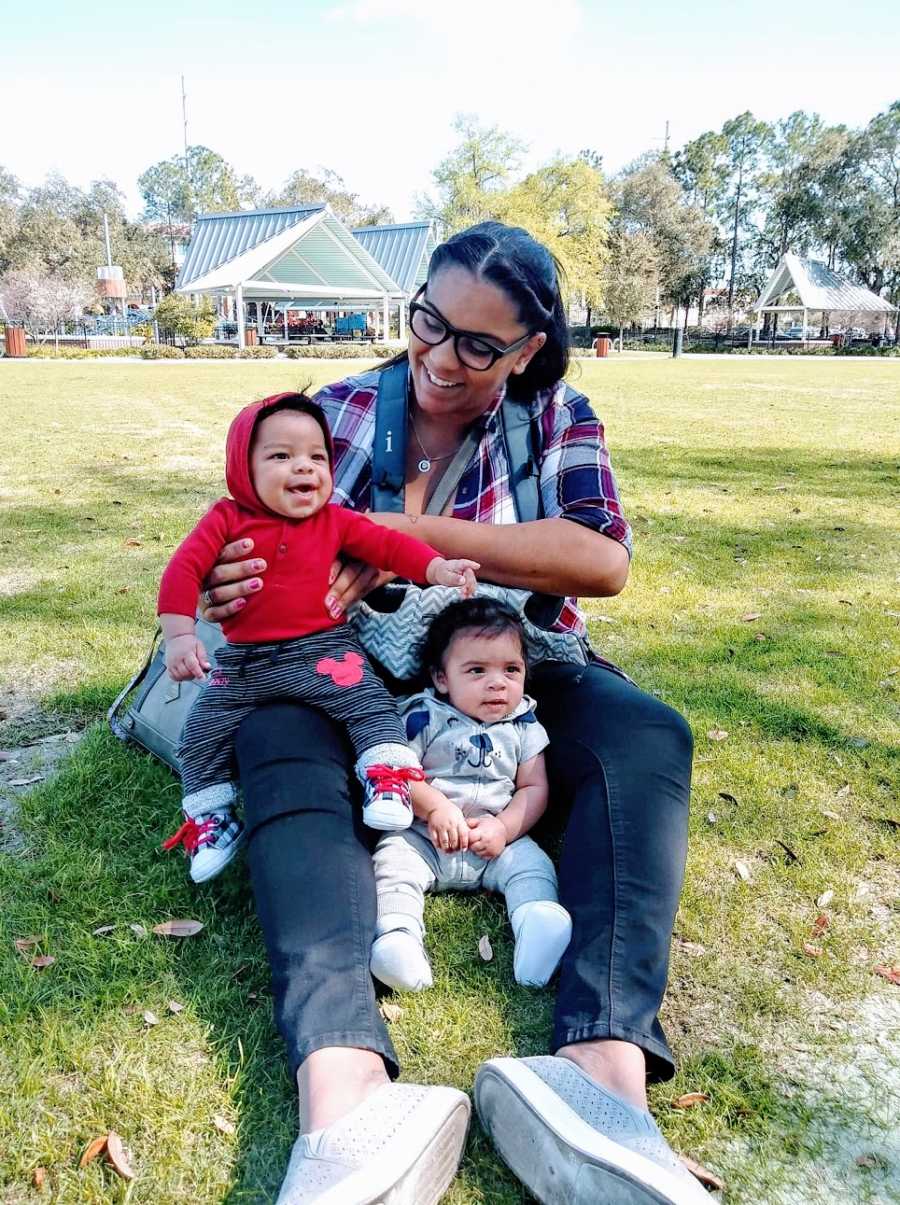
x=299 y=552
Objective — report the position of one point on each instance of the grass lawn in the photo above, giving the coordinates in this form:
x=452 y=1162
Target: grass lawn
x=763 y=603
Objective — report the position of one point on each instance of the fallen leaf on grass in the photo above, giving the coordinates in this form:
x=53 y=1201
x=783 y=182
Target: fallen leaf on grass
x=760 y=636
x=869 y=1161
x=38 y=1176
x=485 y=948
x=115 y=1153
x=743 y=870
x=91 y=1151
x=728 y=797
x=703 y=1174
x=178 y=928
x=24 y=944
x=842 y=792
x=222 y=1124
x=820 y=924
x=689 y=1099
x=103 y=929
x=711 y=817
x=825 y=899
x=391 y=1012
x=25 y=782
x=811 y=950
x=891 y=974
x=174 y=1007
x=691 y=947
x=42 y=961
x=131 y=542
x=149 y=1017
x=751 y=617
x=717 y=734
x=138 y=930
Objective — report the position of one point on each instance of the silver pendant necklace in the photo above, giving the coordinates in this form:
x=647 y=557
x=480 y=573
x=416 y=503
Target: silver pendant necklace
x=424 y=465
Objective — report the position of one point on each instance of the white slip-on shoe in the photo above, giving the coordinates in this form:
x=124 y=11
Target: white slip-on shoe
x=571 y=1142
x=401 y=1146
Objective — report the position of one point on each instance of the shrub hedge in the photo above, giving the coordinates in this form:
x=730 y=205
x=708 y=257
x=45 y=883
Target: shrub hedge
x=161 y=351
x=341 y=351
x=211 y=351
x=47 y=351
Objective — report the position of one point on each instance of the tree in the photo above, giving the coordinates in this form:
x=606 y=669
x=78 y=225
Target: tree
x=747 y=139
x=306 y=188
x=177 y=189
x=42 y=303
x=472 y=178
x=565 y=206
x=631 y=277
x=177 y=316
x=651 y=201
x=9 y=198
x=57 y=230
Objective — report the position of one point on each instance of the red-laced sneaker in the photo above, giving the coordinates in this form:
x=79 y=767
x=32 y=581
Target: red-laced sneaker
x=209 y=841
x=388 y=807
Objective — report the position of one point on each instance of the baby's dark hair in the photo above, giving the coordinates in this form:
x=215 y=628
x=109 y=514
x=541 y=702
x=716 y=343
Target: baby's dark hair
x=483 y=616
x=302 y=403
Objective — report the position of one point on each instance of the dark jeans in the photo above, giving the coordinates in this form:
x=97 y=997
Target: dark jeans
x=619 y=764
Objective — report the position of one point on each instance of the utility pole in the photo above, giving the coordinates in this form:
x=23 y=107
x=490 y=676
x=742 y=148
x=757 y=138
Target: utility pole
x=666 y=143
x=187 y=167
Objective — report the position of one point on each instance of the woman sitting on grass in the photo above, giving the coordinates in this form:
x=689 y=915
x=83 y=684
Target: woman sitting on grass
x=573 y=1125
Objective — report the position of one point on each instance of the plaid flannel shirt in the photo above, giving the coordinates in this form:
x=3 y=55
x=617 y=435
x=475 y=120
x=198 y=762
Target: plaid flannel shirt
x=576 y=479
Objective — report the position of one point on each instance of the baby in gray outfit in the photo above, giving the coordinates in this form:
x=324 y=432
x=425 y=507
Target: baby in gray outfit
x=481 y=748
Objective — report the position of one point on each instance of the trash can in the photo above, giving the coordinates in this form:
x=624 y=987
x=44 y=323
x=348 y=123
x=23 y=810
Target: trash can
x=601 y=346
x=15 y=342
x=838 y=340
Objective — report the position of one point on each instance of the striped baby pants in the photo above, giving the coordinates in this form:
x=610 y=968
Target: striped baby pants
x=328 y=670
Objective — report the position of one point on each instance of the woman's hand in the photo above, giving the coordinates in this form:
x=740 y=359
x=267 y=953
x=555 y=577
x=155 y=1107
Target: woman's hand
x=487 y=837
x=349 y=581
x=233 y=577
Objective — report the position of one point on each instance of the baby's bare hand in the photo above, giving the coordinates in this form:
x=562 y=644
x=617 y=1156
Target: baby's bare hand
x=459 y=573
x=186 y=659
x=447 y=828
x=487 y=837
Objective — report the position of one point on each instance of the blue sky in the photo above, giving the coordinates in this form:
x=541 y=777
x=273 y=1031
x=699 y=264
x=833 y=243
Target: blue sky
x=369 y=87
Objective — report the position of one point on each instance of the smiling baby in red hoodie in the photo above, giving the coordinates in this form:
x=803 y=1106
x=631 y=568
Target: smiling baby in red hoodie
x=284 y=643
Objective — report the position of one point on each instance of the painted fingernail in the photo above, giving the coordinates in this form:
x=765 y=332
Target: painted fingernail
x=254 y=584
x=329 y=601
x=239 y=603
x=246 y=544
x=257 y=566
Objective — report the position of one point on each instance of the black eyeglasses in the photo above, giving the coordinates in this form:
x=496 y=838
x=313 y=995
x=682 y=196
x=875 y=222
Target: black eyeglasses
x=471 y=349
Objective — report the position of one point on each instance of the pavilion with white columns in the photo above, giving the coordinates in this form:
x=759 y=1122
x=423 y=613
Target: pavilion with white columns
x=303 y=254
x=801 y=287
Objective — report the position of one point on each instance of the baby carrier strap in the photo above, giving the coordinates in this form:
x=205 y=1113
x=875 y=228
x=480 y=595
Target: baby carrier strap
x=519 y=439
